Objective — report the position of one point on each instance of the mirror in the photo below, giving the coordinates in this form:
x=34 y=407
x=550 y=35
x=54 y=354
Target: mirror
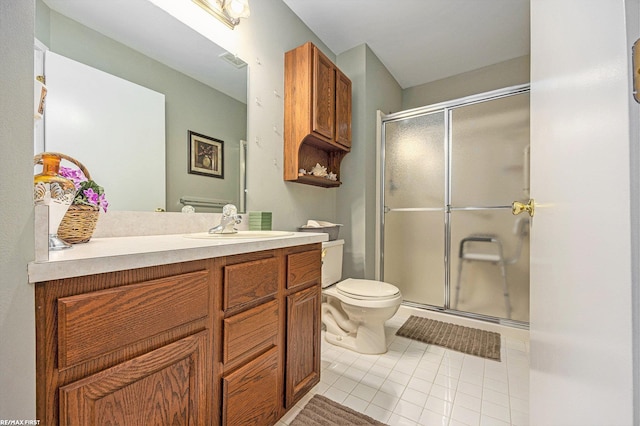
x=205 y=91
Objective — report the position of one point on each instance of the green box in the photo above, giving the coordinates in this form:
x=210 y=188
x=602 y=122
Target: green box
x=259 y=221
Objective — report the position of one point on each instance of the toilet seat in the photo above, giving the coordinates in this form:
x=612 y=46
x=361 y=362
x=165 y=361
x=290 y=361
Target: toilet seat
x=367 y=289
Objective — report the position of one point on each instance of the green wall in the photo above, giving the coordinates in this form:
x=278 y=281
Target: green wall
x=497 y=76
x=373 y=89
x=17 y=306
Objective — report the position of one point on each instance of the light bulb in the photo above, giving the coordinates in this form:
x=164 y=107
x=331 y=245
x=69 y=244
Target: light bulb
x=238 y=8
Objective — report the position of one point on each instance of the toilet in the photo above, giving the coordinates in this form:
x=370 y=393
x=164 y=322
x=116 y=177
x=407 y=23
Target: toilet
x=354 y=310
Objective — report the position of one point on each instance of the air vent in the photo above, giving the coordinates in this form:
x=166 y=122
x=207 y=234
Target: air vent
x=233 y=60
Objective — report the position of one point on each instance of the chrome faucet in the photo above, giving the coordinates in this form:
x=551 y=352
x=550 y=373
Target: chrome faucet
x=230 y=217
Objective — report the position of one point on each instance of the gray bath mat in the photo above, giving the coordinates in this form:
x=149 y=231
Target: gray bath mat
x=321 y=411
x=468 y=340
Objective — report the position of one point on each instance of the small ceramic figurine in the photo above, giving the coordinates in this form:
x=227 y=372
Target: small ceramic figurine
x=332 y=176
x=302 y=172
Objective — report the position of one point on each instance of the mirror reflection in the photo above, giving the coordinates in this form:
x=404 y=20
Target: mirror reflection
x=204 y=89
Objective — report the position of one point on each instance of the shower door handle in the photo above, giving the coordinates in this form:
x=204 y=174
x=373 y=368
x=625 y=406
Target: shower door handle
x=518 y=207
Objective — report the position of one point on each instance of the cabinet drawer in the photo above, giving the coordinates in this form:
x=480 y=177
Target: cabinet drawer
x=303 y=268
x=250 y=395
x=249 y=282
x=250 y=333
x=94 y=324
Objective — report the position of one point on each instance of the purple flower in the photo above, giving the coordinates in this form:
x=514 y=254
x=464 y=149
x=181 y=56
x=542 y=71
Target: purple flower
x=103 y=202
x=89 y=192
x=92 y=196
x=74 y=175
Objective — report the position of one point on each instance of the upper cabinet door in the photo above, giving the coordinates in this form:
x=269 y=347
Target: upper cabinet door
x=343 y=109
x=323 y=95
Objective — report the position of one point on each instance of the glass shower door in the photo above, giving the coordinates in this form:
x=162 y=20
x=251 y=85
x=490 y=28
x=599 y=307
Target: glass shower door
x=489 y=247
x=414 y=213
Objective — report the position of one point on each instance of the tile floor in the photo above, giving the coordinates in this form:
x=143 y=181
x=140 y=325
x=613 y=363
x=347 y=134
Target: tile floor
x=419 y=384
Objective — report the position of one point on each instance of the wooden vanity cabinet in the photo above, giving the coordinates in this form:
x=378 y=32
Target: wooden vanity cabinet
x=272 y=327
x=232 y=340
x=128 y=347
x=303 y=299
x=250 y=367
x=317 y=117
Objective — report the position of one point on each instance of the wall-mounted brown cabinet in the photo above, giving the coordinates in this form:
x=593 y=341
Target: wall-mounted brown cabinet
x=317 y=115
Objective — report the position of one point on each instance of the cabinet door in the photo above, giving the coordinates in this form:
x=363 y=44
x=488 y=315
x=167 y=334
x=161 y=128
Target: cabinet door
x=323 y=108
x=165 y=386
x=250 y=395
x=343 y=109
x=303 y=343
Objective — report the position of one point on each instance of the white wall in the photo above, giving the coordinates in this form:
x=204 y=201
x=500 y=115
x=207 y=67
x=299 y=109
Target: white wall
x=633 y=34
x=126 y=125
x=17 y=322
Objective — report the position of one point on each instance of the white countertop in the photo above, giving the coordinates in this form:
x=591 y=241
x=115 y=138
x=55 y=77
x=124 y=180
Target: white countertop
x=121 y=253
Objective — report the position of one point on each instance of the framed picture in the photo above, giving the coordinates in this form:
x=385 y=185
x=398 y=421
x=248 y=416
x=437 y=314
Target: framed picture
x=206 y=155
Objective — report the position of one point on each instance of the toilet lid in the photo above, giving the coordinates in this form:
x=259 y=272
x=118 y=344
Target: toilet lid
x=367 y=289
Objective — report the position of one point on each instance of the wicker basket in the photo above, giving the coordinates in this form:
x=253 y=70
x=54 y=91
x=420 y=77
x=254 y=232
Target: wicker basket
x=79 y=222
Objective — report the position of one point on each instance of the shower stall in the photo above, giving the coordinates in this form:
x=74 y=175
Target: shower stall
x=448 y=175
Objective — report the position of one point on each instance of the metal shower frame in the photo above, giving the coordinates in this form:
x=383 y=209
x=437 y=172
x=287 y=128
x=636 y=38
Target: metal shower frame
x=446 y=107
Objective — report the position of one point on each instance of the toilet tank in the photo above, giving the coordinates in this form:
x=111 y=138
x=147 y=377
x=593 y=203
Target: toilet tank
x=331 y=262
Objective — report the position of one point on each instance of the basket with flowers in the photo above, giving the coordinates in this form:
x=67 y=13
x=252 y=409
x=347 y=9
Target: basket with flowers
x=80 y=220
x=89 y=192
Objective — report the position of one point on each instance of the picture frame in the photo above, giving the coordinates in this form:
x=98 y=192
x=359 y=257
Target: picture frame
x=206 y=155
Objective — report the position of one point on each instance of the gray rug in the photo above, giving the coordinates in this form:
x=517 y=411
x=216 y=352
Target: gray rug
x=321 y=411
x=468 y=340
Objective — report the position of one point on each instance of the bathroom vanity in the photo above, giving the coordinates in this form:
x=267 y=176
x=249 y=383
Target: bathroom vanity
x=174 y=330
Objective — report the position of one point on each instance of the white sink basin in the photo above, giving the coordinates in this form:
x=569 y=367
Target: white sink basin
x=241 y=235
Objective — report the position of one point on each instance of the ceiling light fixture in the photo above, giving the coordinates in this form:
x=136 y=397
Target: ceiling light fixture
x=228 y=12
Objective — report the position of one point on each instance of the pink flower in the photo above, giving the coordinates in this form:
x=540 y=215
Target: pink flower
x=74 y=175
x=103 y=202
x=89 y=192
x=92 y=196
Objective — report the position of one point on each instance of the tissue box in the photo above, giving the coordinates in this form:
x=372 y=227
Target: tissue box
x=259 y=221
x=332 y=229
